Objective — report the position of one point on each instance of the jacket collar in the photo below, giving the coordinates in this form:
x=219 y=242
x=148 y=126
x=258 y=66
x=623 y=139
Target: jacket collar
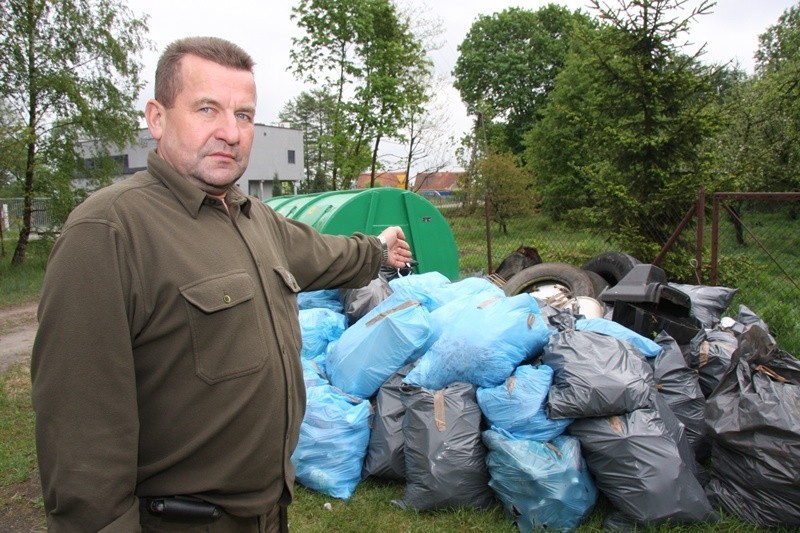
x=190 y=197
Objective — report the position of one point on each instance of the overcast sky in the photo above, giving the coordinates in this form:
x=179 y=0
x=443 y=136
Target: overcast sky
x=265 y=30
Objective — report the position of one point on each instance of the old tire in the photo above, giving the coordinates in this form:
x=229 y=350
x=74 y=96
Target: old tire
x=571 y=277
x=611 y=266
x=598 y=282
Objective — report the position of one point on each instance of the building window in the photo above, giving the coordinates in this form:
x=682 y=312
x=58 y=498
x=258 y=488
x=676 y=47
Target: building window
x=291 y=157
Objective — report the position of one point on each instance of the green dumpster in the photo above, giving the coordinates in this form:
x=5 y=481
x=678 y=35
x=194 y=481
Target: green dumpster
x=370 y=211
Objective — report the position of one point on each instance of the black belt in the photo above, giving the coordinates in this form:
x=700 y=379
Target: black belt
x=181 y=507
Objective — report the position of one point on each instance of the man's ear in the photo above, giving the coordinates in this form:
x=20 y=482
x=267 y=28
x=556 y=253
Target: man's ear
x=154 y=115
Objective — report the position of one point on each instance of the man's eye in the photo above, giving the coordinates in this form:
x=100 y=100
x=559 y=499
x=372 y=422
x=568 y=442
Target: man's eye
x=206 y=110
x=244 y=116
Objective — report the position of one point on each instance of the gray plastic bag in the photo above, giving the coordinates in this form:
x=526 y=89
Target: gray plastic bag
x=710 y=353
x=753 y=418
x=708 y=302
x=641 y=469
x=358 y=302
x=385 y=454
x=445 y=457
x=595 y=375
x=679 y=385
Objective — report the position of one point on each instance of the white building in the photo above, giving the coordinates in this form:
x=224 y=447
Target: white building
x=276 y=150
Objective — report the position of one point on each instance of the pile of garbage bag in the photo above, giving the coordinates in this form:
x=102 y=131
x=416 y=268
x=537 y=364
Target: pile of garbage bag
x=473 y=398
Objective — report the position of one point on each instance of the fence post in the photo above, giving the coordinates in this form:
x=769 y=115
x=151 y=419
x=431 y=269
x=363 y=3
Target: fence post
x=714 y=237
x=698 y=251
x=488 y=233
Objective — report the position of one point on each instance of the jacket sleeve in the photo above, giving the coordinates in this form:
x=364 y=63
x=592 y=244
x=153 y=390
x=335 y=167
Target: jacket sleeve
x=84 y=387
x=321 y=261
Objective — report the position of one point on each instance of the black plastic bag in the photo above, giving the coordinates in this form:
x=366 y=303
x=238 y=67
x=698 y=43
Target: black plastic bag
x=679 y=385
x=710 y=353
x=708 y=302
x=385 y=454
x=358 y=302
x=595 y=375
x=639 y=463
x=445 y=457
x=747 y=318
x=753 y=418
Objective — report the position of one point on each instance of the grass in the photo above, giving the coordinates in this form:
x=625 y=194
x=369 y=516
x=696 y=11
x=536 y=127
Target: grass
x=17 y=452
x=371 y=509
x=766 y=271
x=555 y=241
x=22 y=283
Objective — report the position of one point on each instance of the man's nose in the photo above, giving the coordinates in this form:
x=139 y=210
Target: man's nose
x=228 y=129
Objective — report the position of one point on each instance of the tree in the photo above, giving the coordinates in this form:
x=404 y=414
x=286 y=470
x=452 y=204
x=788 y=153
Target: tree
x=361 y=51
x=313 y=112
x=325 y=56
x=12 y=149
x=767 y=115
x=67 y=69
x=638 y=124
x=395 y=67
x=759 y=148
x=425 y=132
x=277 y=186
x=425 y=127
x=507 y=66
x=506 y=185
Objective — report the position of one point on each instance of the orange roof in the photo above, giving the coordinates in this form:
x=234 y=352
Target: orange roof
x=382 y=179
x=437 y=181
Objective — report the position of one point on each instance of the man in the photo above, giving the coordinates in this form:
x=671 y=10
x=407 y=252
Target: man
x=167 y=381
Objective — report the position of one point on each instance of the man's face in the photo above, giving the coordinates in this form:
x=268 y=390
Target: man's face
x=207 y=134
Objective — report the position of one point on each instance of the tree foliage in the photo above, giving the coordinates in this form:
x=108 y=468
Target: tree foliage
x=313 y=112
x=625 y=127
x=506 y=185
x=395 y=67
x=507 y=65
x=68 y=72
x=760 y=148
x=361 y=52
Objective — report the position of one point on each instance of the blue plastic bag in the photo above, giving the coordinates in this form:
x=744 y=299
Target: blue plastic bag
x=318 y=327
x=383 y=341
x=483 y=344
x=327 y=298
x=313 y=375
x=541 y=485
x=419 y=287
x=333 y=442
x=517 y=406
x=647 y=347
x=434 y=290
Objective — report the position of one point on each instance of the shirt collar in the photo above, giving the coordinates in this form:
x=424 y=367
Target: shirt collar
x=191 y=198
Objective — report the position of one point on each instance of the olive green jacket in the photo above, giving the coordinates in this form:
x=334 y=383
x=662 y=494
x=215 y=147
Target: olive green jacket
x=167 y=357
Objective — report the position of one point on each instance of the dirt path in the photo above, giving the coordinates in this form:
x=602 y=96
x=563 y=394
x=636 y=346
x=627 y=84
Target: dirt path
x=17 y=331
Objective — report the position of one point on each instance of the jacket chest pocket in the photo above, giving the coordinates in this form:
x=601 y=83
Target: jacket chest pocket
x=227 y=338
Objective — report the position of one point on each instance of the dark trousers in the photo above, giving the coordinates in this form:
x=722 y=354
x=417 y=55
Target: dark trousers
x=274 y=521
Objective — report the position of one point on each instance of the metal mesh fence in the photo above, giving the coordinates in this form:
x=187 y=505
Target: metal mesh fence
x=11 y=214
x=755 y=248
x=758 y=254
x=749 y=242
